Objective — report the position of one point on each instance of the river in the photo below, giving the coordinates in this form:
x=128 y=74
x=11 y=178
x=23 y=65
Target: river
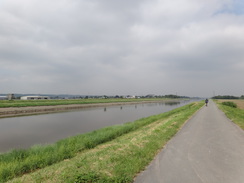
x=26 y=131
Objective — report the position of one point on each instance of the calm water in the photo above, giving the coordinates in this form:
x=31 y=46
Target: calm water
x=23 y=132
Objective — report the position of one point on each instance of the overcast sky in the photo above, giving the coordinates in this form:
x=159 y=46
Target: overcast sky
x=122 y=47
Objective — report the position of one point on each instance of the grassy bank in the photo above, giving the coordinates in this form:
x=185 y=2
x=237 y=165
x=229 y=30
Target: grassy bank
x=236 y=114
x=29 y=103
x=113 y=154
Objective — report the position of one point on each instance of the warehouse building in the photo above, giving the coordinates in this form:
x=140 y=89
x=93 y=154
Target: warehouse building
x=34 y=97
x=3 y=98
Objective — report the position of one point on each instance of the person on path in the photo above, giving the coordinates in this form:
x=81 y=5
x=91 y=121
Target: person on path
x=206 y=102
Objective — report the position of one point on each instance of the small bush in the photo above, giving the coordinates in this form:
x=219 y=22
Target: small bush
x=230 y=104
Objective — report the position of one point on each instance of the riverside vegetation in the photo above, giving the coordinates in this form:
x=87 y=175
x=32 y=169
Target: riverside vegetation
x=13 y=108
x=112 y=154
x=30 y=103
x=234 y=110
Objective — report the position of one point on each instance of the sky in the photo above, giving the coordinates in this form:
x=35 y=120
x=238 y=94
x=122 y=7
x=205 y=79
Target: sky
x=130 y=47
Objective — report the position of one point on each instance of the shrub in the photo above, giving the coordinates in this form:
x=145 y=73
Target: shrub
x=230 y=104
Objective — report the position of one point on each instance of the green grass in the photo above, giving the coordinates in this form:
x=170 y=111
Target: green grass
x=27 y=103
x=112 y=154
x=233 y=112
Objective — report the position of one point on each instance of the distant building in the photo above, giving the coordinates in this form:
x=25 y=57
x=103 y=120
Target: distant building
x=10 y=96
x=130 y=96
x=3 y=98
x=34 y=98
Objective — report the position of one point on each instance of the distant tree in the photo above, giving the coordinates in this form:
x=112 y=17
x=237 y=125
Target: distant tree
x=171 y=96
x=225 y=97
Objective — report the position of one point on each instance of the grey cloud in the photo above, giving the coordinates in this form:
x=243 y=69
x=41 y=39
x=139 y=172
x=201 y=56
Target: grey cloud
x=120 y=47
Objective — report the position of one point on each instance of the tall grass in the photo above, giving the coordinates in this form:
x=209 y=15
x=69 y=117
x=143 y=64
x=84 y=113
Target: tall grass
x=18 y=162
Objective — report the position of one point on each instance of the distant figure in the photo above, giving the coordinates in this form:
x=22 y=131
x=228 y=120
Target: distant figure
x=206 y=102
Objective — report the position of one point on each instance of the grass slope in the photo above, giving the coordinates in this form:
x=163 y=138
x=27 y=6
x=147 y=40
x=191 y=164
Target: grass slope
x=233 y=113
x=113 y=154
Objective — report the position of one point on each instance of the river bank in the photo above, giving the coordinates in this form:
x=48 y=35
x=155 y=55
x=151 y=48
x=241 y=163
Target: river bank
x=112 y=154
x=234 y=114
x=34 y=110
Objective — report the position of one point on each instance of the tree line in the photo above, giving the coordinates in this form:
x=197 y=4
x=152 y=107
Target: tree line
x=227 y=97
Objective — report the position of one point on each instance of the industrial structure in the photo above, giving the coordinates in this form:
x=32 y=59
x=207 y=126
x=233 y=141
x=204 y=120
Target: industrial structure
x=10 y=96
x=34 y=97
x=3 y=98
x=7 y=97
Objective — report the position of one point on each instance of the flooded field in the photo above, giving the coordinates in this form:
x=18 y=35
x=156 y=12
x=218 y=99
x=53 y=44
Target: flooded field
x=23 y=132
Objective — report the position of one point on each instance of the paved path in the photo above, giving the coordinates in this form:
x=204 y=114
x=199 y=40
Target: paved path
x=208 y=149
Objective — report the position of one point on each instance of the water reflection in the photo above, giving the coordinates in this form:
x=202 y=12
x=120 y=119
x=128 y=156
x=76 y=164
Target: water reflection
x=23 y=132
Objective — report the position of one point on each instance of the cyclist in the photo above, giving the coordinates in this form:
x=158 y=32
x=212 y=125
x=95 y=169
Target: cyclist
x=206 y=102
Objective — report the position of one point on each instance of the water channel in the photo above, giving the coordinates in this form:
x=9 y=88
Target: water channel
x=26 y=131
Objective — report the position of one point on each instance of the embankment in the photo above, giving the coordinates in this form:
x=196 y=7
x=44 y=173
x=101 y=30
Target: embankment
x=113 y=154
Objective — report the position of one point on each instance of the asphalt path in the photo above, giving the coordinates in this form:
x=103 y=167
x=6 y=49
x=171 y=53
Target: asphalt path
x=208 y=149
